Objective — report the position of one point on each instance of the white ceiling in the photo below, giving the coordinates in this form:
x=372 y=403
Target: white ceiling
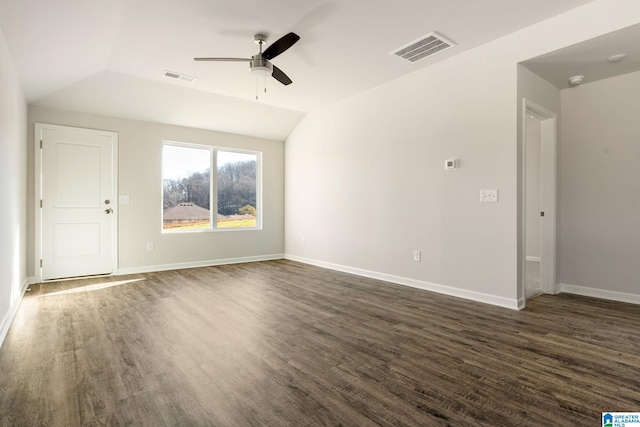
x=107 y=57
x=589 y=58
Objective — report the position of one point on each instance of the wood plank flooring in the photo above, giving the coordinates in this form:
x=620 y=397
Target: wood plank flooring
x=280 y=343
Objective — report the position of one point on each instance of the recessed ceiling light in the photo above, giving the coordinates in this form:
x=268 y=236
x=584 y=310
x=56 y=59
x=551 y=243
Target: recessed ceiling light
x=617 y=58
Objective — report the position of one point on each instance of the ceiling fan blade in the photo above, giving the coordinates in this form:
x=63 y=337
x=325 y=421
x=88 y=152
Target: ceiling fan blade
x=280 y=76
x=280 y=45
x=224 y=59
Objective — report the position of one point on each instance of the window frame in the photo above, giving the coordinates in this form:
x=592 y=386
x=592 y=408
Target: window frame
x=213 y=187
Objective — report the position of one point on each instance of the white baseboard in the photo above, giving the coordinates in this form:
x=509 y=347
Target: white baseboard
x=600 y=293
x=8 y=318
x=512 y=304
x=207 y=263
x=533 y=258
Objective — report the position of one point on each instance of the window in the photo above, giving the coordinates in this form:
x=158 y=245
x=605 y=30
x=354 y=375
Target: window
x=190 y=193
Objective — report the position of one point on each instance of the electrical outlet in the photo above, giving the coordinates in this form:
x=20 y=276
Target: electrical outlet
x=417 y=256
x=304 y=240
x=150 y=246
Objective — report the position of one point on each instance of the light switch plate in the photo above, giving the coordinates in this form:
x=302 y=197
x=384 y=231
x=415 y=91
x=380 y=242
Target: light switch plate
x=489 y=195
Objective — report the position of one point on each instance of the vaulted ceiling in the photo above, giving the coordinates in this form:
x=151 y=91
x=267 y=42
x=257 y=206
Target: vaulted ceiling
x=108 y=57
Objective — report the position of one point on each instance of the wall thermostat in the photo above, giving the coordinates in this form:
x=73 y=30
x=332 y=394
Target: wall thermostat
x=451 y=164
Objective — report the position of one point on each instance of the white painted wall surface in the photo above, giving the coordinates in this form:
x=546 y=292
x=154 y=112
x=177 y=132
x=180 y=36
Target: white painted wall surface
x=600 y=185
x=139 y=177
x=366 y=183
x=13 y=183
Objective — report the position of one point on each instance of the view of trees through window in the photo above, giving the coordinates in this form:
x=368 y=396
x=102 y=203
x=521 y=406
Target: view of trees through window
x=188 y=188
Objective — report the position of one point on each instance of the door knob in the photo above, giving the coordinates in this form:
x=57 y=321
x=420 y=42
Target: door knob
x=108 y=211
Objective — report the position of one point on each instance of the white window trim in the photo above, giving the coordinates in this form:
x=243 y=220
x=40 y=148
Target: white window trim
x=213 y=188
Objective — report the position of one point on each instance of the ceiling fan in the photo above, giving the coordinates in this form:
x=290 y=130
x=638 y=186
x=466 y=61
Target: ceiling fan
x=261 y=63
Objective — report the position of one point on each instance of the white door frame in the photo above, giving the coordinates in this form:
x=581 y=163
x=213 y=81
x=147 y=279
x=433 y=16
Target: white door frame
x=39 y=127
x=548 y=147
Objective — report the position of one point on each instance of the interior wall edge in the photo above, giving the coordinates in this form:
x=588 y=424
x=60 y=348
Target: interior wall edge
x=512 y=304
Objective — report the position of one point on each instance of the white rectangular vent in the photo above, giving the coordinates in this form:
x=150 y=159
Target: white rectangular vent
x=178 y=76
x=424 y=47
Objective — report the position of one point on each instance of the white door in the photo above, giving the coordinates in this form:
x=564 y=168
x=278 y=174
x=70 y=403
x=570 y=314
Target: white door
x=78 y=213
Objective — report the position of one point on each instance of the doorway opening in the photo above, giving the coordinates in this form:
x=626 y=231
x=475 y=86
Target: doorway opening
x=538 y=260
x=532 y=144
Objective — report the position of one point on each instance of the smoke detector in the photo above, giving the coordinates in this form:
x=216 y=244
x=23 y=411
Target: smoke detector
x=617 y=58
x=575 y=80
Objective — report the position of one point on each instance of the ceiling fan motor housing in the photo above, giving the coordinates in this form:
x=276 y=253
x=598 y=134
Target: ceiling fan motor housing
x=259 y=63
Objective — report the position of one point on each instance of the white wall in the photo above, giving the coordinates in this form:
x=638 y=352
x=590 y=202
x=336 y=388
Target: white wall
x=366 y=183
x=139 y=176
x=532 y=190
x=13 y=164
x=365 y=178
x=600 y=187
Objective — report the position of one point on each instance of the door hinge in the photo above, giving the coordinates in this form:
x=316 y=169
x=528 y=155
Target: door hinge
x=40 y=203
x=40 y=262
x=542 y=213
x=41 y=144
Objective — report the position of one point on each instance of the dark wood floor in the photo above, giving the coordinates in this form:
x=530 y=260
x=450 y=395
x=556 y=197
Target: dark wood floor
x=280 y=343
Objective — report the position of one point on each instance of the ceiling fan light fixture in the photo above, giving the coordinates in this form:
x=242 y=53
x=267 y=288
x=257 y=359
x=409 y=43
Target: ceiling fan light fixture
x=260 y=71
x=260 y=67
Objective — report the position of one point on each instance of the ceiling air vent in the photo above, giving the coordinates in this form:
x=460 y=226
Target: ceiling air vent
x=178 y=76
x=424 y=47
